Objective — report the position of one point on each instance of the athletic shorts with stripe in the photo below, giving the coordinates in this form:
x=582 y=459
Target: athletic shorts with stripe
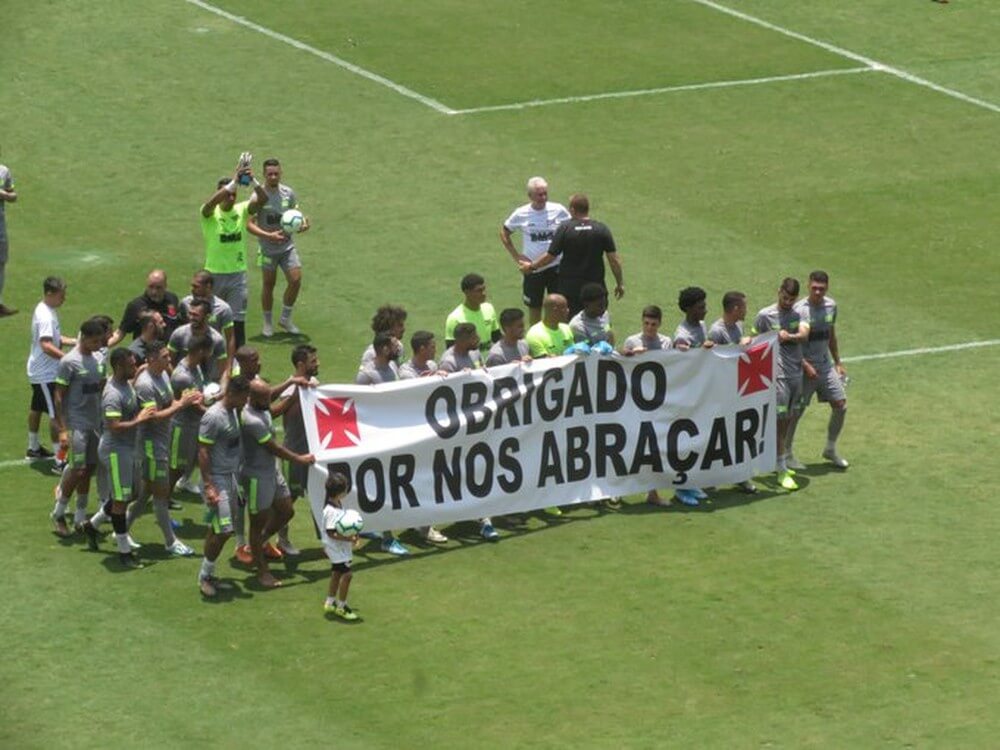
x=286 y=261
x=155 y=461
x=118 y=467
x=42 y=400
x=261 y=492
x=296 y=476
x=83 y=448
x=827 y=384
x=220 y=516
x=788 y=395
x=183 y=446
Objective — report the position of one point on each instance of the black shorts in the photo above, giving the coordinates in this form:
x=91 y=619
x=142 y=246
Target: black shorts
x=536 y=285
x=344 y=567
x=43 y=398
x=570 y=289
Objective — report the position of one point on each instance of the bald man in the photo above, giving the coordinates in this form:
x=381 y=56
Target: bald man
x=156 y=298
x=550 y=336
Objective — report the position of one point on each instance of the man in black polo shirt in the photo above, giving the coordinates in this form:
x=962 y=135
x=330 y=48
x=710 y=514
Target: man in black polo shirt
x=582 y=244
x=156 y=298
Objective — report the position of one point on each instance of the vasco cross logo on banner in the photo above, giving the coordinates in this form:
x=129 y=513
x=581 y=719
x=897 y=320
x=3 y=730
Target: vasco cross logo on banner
x=337 y=423
x=755 y=369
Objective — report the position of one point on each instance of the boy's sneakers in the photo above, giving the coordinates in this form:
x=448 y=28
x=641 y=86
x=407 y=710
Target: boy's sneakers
x=489 y=533
x=289 y=326
x=58 y=467
x=830 y=454
x=394 y=547
x=38 y=454
x=787 y=482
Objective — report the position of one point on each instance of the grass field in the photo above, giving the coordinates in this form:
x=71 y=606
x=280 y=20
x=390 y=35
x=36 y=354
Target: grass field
x=859 y=612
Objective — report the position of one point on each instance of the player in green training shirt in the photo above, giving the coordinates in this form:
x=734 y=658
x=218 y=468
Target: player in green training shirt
x=224 y=227
x=551 y=336
x=476 y=310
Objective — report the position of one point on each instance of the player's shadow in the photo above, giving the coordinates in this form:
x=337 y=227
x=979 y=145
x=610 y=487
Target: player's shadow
x=45 y=468
x=819 y=470
x=281 y=337
x=227 y=590
x=718 y=499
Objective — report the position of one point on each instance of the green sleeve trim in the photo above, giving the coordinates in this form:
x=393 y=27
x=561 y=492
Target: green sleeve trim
x=264 y=439
x=205 y=440
x=113 y=414
x=60 y=381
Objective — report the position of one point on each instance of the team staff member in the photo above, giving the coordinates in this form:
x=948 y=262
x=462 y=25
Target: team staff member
x=537 y=221
x=223 y=227
x=277 y=249
x=7 y=195
x=43 y=363
x=581 y=244
x=157 y=298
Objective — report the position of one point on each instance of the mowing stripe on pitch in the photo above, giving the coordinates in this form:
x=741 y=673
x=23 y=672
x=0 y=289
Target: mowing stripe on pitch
x=664 y=90
x=351 y=67
x=874 y=64
x=858 y=358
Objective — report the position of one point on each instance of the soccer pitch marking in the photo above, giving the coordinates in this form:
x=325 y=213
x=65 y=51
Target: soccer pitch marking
x=10 y=464
x=870 y=65
x=873 y=64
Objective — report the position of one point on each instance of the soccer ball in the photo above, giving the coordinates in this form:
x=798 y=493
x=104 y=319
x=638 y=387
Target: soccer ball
x=210 y=393
x=292 y=221
x=350 y=523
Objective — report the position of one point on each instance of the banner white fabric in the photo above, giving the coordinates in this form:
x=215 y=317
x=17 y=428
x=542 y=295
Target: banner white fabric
x=552 y=432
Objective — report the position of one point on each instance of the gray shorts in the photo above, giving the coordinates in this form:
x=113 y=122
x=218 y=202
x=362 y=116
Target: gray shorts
x=827 y=384
x=286 y=261
x=4 y=248
x=155 y=461
x=297 y=476
x=118 y=467
x=221 y=516
x=183 y=446
x=788 y=394
x=261 y=492
x=83 y=448
x=231 y=288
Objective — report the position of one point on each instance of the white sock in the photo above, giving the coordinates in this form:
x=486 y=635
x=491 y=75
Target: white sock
x=123 y=545
x=81 y=507
x=331 y=600
x=33 y=443
x=286 y=312
x=338 y=604
x=98 y=518
x=60 y=508
x=268 y=316
x=207 y=568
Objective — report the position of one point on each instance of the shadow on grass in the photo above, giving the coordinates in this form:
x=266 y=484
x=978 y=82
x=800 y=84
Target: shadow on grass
x=44 y=467
x=281 y=337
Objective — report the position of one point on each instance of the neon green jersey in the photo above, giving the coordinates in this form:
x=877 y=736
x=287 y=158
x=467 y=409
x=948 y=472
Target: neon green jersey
x=548 y=342
x=225 y=239
x=484 y=319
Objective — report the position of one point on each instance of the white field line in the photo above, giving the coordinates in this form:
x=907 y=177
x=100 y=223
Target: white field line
x=874 y=64
x=859 y=358
x=664 y=90
x=351 y=67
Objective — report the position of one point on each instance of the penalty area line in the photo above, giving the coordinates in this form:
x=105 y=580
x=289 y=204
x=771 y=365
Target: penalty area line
x=847 y=360
x=348 y=66
x=662 y=90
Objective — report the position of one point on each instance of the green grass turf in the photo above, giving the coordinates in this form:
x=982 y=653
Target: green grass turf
x=858 y=612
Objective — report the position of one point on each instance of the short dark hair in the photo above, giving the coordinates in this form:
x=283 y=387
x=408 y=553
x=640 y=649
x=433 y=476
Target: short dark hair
x=92 y=327
x=202 y=304
x=579 y=203
x=592 y=292
x=471 y=280
x=689 y=297
x=301 y=353
x=272 y=162
x=155 y=347
x=244 y=353
x=381 y=339
x=145 y=318
x=238 y=385
x=420 y=339
x=464 y=330
x=199 y=342
x=119 y=356
x=53 y=284
x=790 y=285
x=510 y=316
x=730 y=300
x=205 y=277
x=386 y=317
x=105 y=321
x=337 y=484
x=652 y=311
x=821 y=276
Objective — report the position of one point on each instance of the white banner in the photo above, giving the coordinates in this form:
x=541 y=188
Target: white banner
x=553 y=432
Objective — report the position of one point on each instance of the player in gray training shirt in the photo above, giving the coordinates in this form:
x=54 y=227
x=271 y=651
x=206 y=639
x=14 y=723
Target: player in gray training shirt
x=823 y=371
x=464 y=354
x=7 y=195
x=729 y=328
x=219 y=459
x=116 y=451
x=422 y=362
x=649 y=338
x=383 y=368
x=180 y=341
x=511 y=347
x=593 y=323
x=691 y=333
x=264 y=489
x=188 y=376
x=79 y=382
x=792 y=333
x=277 y=249
x=220 y=314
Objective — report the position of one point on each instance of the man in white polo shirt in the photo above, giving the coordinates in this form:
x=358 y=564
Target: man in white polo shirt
x=43 y=362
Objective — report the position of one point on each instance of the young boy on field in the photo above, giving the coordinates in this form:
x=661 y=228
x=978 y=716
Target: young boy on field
x=338 y=549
